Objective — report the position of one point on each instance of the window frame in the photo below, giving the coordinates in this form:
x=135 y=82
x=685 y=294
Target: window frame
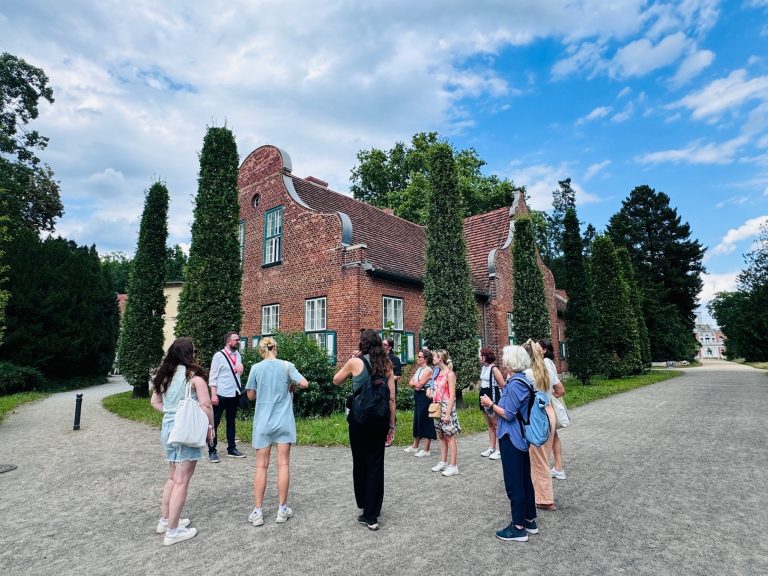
x=275 y=326
x=273 y=239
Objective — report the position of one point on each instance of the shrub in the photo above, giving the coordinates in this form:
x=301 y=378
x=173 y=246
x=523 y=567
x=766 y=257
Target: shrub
x=404 y=392
x=14 y=378
x=322 y=397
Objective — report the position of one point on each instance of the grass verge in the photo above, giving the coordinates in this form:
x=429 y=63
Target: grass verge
x=332 y=430
x=10 y=402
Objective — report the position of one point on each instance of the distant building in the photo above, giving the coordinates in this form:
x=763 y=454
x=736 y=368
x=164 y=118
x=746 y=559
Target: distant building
x=711 y=341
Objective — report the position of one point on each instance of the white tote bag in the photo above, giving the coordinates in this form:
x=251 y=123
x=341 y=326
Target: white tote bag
x=190 y=425
x=561 y=413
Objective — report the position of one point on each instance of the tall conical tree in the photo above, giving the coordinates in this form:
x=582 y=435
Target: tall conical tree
x=615 y=321
x=635 y=300
x=450 y=320
x=529 y=307
x=140 y=349
x=580 y=320
x=209 y=304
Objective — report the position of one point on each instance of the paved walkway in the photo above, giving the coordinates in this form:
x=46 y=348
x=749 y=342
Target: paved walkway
x=666 y=479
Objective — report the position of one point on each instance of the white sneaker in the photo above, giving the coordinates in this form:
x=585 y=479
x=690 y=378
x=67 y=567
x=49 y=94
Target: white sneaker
x=421 y=453
x=161 y=528
x=451 y=471
x=559 y=474
x=256 y=518
x=283 y=516
x=439 y=466
x=487 y=452
x=181 y=535
x=495 y=456
x=410 y=449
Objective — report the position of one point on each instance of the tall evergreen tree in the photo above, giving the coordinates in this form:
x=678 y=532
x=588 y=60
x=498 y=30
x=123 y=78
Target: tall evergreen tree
x=209 y=304
x=580 y=320
x=635 y=301
x=450 y=319
x=529 y=306
x=753 y=281
x=4 y=294
x=141 y=338
x=668 y=265
x=617 y=329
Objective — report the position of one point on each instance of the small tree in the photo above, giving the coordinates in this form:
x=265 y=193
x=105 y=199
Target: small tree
x=450 y=319
x=616 y=325
x=529 y=306
x=580 y=320
x=209 y=304
x=141 y=338
x=635 y=301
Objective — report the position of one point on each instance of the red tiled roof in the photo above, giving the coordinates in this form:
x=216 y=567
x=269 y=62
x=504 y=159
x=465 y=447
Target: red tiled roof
x=398 y=246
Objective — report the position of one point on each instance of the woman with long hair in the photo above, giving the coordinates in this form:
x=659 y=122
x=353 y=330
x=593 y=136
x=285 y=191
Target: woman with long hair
x=423 y=427
x=270 y=383
x=178 y=370
x=447 y=426
x=491 y=383
x=515 y=457
x=367 y=439
x=558 y=391
x=540 y=472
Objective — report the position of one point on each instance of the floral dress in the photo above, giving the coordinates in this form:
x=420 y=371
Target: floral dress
x=442 y=395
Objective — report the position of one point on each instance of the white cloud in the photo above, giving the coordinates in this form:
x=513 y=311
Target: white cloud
x=724 y=94
x=732 y=201
x=599 y=112
x=626 y=91
x=624 y=115
x=749 y=229
x=692 y=66
x=641 y=56
x=714 y=283
x=541 y=179
x=595 y=169
x=697 y=153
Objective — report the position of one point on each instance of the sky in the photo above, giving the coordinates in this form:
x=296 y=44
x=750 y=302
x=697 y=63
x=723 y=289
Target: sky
x=671 y=94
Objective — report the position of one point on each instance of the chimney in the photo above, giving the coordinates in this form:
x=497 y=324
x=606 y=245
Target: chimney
x=388 y=211
x=317 y=181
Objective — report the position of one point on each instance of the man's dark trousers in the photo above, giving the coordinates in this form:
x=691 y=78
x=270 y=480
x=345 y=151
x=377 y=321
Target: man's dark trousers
x=228 y=405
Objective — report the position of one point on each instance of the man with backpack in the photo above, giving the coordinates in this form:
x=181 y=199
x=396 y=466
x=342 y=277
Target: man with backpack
x=371 y=415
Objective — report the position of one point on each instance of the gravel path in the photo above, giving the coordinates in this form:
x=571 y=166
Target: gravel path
x=666 y=479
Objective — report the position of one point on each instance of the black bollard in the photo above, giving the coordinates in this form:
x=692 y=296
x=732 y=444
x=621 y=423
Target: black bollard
x=78 y=406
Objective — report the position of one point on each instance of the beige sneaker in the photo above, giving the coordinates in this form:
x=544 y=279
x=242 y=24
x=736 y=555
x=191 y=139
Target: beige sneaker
x=181 y=535
x=283 y=516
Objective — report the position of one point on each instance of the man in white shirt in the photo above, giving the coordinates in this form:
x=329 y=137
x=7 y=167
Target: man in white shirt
x=224 y=380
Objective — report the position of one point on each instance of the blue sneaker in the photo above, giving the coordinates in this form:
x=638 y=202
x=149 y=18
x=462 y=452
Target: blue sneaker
x=512 y=532
x=213 y=457
x=530 y=527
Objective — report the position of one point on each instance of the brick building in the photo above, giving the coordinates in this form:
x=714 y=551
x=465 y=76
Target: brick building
x=324 y=263
x=711 y=341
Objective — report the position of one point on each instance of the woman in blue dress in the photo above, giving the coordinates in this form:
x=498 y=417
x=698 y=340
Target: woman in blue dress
x=271 y=384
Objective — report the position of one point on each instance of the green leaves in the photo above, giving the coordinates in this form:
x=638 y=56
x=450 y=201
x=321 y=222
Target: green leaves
x=529 y=305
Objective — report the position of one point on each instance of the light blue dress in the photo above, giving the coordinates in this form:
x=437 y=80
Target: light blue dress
x=273 y=421
x=171 y=398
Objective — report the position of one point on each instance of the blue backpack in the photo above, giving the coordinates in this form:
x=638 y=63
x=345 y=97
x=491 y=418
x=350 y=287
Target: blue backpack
x=535 y=428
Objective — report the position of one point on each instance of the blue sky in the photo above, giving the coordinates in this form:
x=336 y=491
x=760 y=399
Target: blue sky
x=611 y=94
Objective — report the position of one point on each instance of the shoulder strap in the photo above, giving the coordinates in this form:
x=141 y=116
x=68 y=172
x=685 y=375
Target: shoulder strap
x=367 y=365
x=231 y=369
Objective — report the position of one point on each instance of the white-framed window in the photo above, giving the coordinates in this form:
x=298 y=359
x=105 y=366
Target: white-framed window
x=243 y=344
x=327 y=341
x=404 y=345
x=241 y=238
x=510 y=328
x=270 y=319
x=273 y=236
x=314 y=314
x=392 y=312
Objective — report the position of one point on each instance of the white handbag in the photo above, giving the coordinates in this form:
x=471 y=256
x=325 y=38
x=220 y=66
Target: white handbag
x=561 y=413
x=190 y=425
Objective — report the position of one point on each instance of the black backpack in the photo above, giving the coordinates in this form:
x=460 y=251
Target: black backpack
x=371 y=402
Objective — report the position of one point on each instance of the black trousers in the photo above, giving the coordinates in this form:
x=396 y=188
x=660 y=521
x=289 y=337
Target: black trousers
x=228 y=405
x=367 y=444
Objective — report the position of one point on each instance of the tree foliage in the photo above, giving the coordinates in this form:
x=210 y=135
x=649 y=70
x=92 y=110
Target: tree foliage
x=729 y=310
x=398 y=179
x=529 y=307
x=30 y=191
x=141 y=336
x=175 y=261
x=635 y=302
x=209 y=304
x=580 y=320
x=616 y=326
x=668 y=264
x=62 y=316
x=450 y=319
x=4 y=294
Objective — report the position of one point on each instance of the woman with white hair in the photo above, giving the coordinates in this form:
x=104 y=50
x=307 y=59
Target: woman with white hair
x=515 y=460
x=271 y=384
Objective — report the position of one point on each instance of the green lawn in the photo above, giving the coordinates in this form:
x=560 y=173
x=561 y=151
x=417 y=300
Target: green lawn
x=332 y=430
x=8 y=403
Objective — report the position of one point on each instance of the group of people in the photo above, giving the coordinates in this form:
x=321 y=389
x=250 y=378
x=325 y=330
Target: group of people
x=271 y=382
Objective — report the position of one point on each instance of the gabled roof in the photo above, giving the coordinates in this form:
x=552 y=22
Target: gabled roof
x=397 y=246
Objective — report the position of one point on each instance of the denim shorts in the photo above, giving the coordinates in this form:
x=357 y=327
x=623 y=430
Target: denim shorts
x=175 y=452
